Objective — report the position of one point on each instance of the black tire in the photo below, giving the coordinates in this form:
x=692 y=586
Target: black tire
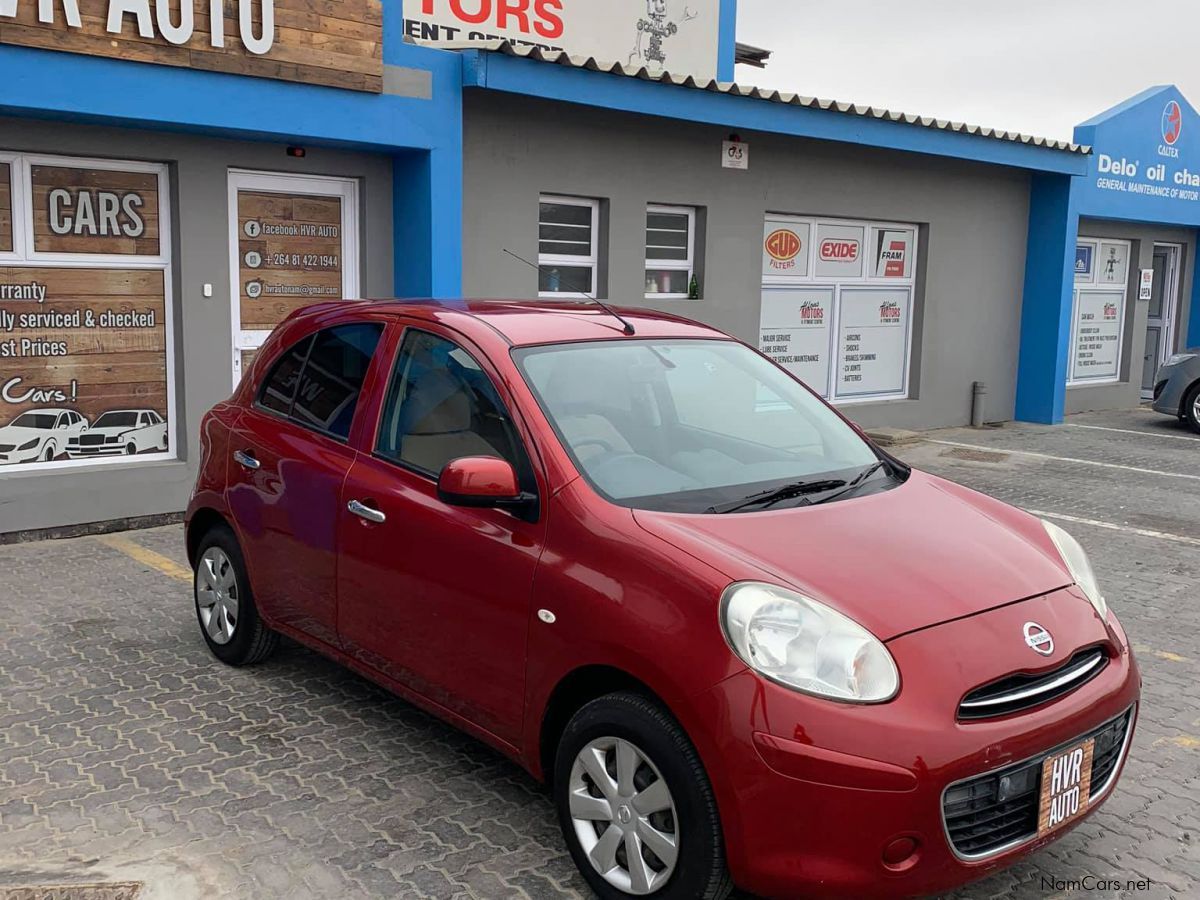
x=700 y=870
x=252 y=641
x=1190 y=401
x=48 y=455
x=131 y=449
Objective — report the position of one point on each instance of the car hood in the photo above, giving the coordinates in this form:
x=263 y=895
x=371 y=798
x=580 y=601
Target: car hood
x=14 y=435
x=110 y=430
x=923 y=553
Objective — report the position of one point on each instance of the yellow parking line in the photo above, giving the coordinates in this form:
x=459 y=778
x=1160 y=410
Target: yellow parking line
x=149 y=558
x=1186 y=741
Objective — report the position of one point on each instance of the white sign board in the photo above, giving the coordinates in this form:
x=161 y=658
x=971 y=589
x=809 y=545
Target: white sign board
x=795 y=332
x=1113 y=264
x=1146 y=285
x=1097 y=336
x=872 y=341
x=677 y=36
x=735 y=155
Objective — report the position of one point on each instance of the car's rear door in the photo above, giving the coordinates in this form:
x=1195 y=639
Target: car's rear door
x=290 y=454
x=435 y=596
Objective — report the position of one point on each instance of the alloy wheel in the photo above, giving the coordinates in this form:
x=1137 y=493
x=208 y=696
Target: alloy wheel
x=624 y=815
x=217 y=595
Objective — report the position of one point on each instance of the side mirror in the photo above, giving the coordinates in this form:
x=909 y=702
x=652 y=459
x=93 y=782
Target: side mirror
x=481 y=482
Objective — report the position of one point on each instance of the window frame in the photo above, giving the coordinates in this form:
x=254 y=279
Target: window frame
x=592 y=261
x=672 y=265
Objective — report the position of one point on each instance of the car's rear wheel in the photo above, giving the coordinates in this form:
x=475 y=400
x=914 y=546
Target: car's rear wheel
x=225 y=606
x=635 y=804
x=1191 y=407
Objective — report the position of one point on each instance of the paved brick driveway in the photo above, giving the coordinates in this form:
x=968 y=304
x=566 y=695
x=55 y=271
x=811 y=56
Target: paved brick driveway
x=128 y=754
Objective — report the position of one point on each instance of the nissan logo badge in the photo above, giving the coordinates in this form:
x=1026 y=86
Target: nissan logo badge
x=1039 y=639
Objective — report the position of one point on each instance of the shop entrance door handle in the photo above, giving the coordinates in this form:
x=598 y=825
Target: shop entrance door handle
x=246 y=460
x=366 y=512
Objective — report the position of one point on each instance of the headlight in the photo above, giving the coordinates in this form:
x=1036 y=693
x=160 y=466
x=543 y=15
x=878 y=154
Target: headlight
x=1178 y=359
x=804 y=645
x=1080 y=567
x=30 y=445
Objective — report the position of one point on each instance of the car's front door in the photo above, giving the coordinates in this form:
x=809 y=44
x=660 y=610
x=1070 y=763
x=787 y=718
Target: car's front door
x=436 y=596
x=291 y=454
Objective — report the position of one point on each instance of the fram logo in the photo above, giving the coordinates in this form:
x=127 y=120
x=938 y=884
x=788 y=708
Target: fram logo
x=1172 y=123
x=783 y=246
x=840 y=250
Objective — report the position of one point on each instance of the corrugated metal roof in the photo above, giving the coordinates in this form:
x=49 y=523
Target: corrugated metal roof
x=561 y=58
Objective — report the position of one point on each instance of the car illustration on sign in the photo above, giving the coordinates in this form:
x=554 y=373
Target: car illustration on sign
x=743 y=644
x=122 y=432
x=40 y=435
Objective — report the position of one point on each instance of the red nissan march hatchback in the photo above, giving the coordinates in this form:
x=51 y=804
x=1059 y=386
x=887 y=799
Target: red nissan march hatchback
x=744 y=645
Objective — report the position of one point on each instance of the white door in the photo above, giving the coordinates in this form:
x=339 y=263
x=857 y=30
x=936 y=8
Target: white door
x=1160 y=319
x=293 y=242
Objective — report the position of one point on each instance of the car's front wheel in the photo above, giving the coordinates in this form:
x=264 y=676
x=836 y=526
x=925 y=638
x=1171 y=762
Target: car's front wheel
x=225 y=607
x=635 y=804
x=1191 y=407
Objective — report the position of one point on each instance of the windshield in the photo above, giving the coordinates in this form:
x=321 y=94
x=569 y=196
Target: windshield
x=686 y=425
x=117 y=420
x=35 y=420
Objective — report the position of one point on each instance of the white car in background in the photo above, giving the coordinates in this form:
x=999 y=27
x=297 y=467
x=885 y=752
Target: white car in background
x=123 y=432
x=40 y=435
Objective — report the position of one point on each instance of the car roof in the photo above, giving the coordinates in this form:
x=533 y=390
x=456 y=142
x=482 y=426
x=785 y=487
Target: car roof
x=48 y=410
x=529 y=322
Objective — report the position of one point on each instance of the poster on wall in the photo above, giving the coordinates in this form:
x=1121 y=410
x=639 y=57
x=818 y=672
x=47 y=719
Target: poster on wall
x=83 y=364
x=794 y=332
x=785 y=248
x=1098 y=323
x=6 y=241
x=1113 y=264
x=95 y=211
x=839 y=251
x=872 y=341
x=290 y=250
x=1084 y=261
x=893 y=253
x=678 y=36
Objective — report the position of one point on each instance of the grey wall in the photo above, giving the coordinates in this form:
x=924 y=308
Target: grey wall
x=1128 y=392
x=974 y=219
x=203 y=351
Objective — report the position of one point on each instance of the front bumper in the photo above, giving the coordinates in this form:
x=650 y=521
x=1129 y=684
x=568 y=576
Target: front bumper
x=813 y=793
x=1169 y=391
x=76 y=452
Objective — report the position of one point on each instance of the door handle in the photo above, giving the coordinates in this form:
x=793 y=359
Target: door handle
x=246 y=460
x=366 y=512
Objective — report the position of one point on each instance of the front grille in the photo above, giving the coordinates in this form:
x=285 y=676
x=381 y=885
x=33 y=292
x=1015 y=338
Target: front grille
x=1025 y=691
x=91 y=440
x=998 y=811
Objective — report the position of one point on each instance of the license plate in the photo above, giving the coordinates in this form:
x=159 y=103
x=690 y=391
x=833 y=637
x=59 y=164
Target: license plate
x=1066 y=787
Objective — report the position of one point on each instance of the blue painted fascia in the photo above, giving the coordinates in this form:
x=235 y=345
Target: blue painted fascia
x=1047 y=303
x=1088 y=128
x=727 y=41
x=570 y=85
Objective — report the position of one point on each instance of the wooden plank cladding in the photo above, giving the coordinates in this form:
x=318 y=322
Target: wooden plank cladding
x=335 y=43
x=6 y=241
x=103 y=211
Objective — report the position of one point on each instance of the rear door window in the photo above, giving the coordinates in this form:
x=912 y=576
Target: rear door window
x=279 y=388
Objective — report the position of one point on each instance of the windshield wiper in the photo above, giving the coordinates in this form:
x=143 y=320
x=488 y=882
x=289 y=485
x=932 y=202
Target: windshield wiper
x=854 y=485
x=777 y=495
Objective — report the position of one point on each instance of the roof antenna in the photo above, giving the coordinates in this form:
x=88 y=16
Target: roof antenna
x=604 y=306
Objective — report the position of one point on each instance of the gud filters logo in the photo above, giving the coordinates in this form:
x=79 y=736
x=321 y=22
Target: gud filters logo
x=889 y=313
x=841 y=250
x=1172 y=130
x=812 y=314
x=783 y=246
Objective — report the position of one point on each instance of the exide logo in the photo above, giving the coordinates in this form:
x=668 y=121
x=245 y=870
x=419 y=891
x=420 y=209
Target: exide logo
x=783 y=245
x=839 y=250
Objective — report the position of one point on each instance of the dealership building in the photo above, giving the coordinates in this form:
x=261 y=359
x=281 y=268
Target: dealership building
x=174 y=184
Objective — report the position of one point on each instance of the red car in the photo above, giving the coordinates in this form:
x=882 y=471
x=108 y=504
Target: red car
x=743 y=644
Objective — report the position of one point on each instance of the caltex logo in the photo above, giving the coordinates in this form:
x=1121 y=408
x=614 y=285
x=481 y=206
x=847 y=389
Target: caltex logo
x=1172 y=123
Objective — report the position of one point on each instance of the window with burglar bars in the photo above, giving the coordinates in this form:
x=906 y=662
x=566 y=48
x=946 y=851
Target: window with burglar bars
x=568 y=244
x=670 y=251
